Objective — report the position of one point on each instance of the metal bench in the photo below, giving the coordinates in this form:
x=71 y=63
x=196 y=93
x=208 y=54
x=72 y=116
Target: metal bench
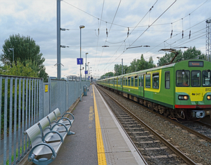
x=64 y=121
x=47 y=136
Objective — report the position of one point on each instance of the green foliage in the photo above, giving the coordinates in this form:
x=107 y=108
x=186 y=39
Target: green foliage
x=140 y=64
x=190 y=53
x=19 y=69
x=118 y=69
x=109 y=74
x=25 y=49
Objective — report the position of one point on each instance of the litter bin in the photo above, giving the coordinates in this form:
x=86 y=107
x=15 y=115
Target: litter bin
x=85 y=90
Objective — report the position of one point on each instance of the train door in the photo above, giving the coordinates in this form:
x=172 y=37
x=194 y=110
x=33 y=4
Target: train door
x=123 y=82
x=141 y=84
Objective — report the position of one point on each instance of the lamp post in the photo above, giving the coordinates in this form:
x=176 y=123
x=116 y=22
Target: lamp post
x=88 y=70
x=82 y=26
x=85 y=65
x=12 y=49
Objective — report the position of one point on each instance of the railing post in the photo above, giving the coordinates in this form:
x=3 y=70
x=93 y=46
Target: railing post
x=5 y=121
x=41 y=99
x=49 y=90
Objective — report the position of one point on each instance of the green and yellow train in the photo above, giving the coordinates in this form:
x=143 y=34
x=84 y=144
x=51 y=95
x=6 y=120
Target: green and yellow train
x=178 y=90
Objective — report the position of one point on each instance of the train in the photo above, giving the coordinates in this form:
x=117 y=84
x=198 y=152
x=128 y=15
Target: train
x=177 y=90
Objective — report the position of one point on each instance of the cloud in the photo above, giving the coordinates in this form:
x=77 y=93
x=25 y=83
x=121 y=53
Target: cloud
x=37 y=19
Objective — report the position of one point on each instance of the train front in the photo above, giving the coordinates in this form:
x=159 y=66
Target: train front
x=193 y=88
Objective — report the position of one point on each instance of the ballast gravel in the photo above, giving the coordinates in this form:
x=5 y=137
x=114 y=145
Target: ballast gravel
x=195 y=148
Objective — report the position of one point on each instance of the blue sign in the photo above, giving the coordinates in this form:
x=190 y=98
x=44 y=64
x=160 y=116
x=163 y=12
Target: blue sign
x=86 y=71
x=79 y=61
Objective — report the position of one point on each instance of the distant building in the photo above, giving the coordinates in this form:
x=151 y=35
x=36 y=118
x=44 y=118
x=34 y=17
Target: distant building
x=73 y=78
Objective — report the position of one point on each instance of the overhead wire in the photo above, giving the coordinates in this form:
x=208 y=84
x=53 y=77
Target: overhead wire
x=135 y=28
x=144 y=31
x=99 y=29
x=131 y=27
x=109 y=31
x=182 y=43
x=188 y=36
x=153 y=23
x=177 y=34
x=115 y=15
x=164 y=24
x=124 y=25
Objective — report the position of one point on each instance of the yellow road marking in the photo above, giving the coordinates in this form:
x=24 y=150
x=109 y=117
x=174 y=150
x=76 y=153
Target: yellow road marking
x=100 y=147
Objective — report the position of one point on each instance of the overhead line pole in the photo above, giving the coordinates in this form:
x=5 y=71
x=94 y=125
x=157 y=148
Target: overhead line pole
x=122 y=65
x=58 y=40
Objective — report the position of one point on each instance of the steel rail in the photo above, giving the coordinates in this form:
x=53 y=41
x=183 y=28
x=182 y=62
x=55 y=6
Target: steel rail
x=204 y=124
x=168 y=144
x=178 y=124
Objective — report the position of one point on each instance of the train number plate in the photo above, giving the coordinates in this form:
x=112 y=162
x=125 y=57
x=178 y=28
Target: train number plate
x=208 y=89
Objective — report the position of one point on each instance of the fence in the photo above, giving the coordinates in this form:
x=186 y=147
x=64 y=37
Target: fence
x=23 y=102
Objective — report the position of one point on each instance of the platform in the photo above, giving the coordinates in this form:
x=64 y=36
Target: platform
x=99 y=138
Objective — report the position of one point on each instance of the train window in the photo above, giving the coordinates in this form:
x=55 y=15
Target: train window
x=136 y=81
x=183 y=78
x=132 y=82
x=148 y=80
x=155 y=80
x=119 y=81
x=196 y=78
x=206 y=79
x=167 y=80
x=128 y=81
x=142 y=80
x=125 y=81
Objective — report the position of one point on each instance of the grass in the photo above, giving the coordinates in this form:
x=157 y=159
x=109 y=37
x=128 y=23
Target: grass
x=12 y=159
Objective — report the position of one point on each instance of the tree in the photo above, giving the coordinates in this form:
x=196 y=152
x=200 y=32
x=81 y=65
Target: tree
x=109 y=74
x=19 y=69
x=190 y=53
x=25 y=49
x=118 y=69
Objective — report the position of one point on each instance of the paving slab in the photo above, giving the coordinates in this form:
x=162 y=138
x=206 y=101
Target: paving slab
x=118 y=148
x=80 y=149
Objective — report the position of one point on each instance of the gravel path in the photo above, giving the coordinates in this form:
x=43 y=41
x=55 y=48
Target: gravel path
x=197 y=149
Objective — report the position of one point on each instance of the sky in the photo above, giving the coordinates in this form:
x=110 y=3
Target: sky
x=149 y=23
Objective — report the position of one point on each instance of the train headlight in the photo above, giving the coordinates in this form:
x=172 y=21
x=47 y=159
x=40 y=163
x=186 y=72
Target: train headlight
x=183 y=97
x=208 y=97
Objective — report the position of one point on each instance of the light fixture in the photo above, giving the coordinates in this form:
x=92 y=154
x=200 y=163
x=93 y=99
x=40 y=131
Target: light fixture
x=82 y=26
x=138 y=46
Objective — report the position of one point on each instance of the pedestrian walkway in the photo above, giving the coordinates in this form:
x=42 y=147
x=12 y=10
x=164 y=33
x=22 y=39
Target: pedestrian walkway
x=99 y=138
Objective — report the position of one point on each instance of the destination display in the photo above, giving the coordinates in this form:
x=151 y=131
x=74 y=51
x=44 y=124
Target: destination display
x=195 y=63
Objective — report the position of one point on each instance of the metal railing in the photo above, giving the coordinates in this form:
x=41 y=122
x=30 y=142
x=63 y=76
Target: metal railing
x=24 y=101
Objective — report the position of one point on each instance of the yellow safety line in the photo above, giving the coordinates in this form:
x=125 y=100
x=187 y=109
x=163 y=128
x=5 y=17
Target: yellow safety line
x=100 y=147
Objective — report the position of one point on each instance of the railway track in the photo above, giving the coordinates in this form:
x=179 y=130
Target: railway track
x=153 y=147
x=193 y=127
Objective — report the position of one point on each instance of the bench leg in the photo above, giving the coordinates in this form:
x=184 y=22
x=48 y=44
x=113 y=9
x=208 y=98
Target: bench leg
x=71 y=133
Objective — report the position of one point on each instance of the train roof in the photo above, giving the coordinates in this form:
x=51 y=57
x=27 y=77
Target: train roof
x=152 y=69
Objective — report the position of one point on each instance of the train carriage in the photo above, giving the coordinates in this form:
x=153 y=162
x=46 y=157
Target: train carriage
x=181 y=90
